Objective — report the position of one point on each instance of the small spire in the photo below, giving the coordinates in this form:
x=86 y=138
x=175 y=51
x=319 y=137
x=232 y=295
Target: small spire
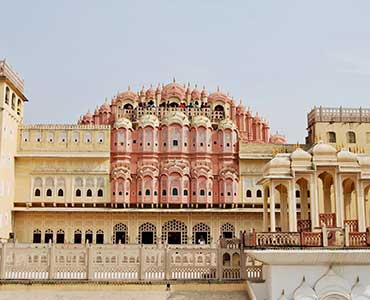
x=218 y=88
x=174 y=80
x=129 y=88
x=196 y=86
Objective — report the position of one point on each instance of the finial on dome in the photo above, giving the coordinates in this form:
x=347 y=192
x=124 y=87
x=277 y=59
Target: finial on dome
x=174 y=80
x=129 y=88
x=240 y=102
x=218 y=88
x=304 y=279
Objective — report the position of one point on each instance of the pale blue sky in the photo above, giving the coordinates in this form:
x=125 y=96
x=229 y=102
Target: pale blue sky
x=280 y=57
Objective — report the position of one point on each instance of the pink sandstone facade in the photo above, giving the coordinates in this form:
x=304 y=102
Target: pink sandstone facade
x=177 y=147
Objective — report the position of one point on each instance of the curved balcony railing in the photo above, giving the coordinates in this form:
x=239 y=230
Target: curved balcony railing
x=136 y=113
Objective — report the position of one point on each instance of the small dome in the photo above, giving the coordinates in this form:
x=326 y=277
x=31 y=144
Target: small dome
x=323 y=149
x=281 y=160
x=127 y=95
x=300 y=154
x=88 y=116
x=150 y=93
x=148 y=120
x=363 y=160
x=195 y=94
x=219 y=96
x=105 y=107
x=304 y=291
x=201 y=121
x=277 y=139
x=227 y=124
x=123 y=123
x=204 y=93
x=174 y=90
x=345 y=155
x=332 y=283
x=158 y=90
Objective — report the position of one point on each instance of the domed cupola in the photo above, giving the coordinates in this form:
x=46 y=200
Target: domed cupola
x=204 y=93
x=300 y=155
x=195 y=94
x=150 y=93
x=277 y=139
x=105 y=108
x=324 y=153
x=174 y=90
x=346 y=156
x=127 y=95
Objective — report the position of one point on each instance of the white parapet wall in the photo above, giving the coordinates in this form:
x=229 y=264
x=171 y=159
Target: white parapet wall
x=293 y=274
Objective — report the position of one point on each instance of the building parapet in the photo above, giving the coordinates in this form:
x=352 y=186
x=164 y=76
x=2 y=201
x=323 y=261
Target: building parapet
x=120 y=262
x=63 y=126
x=338 y=115
x=7 y=72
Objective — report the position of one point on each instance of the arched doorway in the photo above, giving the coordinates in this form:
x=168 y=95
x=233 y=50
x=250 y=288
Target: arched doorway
x=147 y=234
x=227 y=231
x=201 y=234
x=282 y=199
x=350 y=204
x=174 y=232
x=120 y=235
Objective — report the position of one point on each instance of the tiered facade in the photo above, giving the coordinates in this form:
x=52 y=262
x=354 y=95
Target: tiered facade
x=176 y=183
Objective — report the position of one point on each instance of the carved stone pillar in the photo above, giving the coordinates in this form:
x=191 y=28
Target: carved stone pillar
x=272 y=208
x=292 y=208
x=361 y=207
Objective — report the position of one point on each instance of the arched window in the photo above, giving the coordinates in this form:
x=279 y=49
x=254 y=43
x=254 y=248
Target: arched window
x=89 y=193
x=351 y=137
x=89 y=236
x=37 y=193
x=185 y=192
x=49 y=193
x=77 y=239
x=164 y=192
x=37 y=236
x=19 y=107
x=175 y=192
x=298 y=194
x=78 y=193
x=7 y=94
x=100 y=193
x=332 y=137
x=13 y=101
x=219 y=108
x=249 y=194
x=202 y=192
x=60 y=193
x=48 y=236
x=60 y=236
x=147 y=192
x=99 y=238
x=259 y=194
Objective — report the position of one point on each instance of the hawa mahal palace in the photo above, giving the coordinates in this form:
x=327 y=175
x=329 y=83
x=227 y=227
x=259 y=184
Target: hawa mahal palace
x=176 y=182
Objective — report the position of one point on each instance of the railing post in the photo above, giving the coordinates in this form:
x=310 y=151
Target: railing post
x=90 y=261
x=346 y=235
x=243 y=271
x=166 y=263
x=141 y=265
x=3 y=261
x=324 y=235
x=219 y=264
x=51 y=260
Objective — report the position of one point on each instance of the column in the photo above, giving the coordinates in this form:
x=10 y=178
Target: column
x=304 y=202
x=272 y=207
x=339 y=203
x=314 y=201
x=283 y=209
x=265 y=211
x=360 y=207
x=292 y=207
